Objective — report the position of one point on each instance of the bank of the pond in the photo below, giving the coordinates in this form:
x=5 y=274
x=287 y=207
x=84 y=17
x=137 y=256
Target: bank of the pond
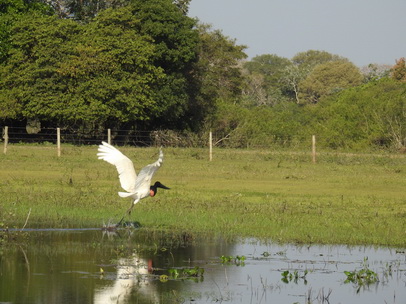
x=342 y=199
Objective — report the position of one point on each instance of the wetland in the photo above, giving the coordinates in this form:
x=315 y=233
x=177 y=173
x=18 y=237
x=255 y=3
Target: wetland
x=353 y=199
x=141 y=266
x=251 y=226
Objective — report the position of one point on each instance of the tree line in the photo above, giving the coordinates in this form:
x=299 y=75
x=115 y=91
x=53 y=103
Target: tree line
x=145 y=65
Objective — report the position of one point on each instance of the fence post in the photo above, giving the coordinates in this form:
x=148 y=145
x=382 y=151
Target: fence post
x=314 y=148
x=109 y=136
x=58 y=140
x=210 y=146
x=5 y=136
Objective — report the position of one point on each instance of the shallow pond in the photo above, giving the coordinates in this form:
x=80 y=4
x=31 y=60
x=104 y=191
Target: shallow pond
x=137 y=266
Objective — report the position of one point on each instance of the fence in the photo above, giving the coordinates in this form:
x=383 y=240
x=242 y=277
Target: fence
x=121 y=137
x=77 y=137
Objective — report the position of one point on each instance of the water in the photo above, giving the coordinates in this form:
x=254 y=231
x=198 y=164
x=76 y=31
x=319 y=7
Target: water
x=93 y=266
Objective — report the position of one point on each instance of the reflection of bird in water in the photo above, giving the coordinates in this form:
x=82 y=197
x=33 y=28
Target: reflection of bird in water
x=132 y=276
x=137 y=187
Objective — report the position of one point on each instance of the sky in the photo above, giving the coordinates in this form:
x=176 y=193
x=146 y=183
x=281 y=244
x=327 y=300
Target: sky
x=364 y=31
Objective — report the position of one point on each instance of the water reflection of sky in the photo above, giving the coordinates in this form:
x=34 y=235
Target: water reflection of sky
x=65 y=267
x=259 y=281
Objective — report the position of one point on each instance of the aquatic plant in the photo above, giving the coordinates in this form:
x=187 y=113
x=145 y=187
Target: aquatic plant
x=235 y=260
x=363 y=277
x=294 y=276
x=185 y=273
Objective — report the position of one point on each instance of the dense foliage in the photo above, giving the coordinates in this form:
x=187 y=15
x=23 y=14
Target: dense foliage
x=146 y=65
x=370 y=115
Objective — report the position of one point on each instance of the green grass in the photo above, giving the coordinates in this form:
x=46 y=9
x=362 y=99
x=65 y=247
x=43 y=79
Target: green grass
x=281 y=195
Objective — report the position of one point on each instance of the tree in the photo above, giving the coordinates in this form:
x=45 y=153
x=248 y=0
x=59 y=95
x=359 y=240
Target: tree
x=111 y=73
x=312 y=58
x=399 y=70
x=77 y=75
x=219 y=64
x=176 y=42
x=183 y=5
x=329 y=78
x=301 y=66
x=82 y=10
x=374 y=72
x=10 y=12
x=127 y=64
x=292 y=75
x=269 y=65
x=269 y=69
x=254 y=92
x=373 y=114
x=217 y=72
x=29 y=79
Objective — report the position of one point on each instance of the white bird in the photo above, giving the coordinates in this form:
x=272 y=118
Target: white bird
x=136 y=187
x=134 y=275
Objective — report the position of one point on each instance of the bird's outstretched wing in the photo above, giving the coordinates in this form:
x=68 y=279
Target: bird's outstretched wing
x=124 y=165
x=146 y=173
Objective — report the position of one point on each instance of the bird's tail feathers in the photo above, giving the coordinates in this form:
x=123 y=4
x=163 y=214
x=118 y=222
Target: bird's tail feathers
x=125 y=194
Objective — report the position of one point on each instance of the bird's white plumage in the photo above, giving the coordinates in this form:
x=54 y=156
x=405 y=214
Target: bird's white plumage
x=137 y=187
x=124 y=165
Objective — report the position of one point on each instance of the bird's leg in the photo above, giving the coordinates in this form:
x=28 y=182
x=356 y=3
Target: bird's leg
x=127 y=212
x=130 y=209
x=119 y=223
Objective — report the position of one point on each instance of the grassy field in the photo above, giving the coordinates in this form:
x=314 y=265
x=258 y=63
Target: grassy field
x=281 y=195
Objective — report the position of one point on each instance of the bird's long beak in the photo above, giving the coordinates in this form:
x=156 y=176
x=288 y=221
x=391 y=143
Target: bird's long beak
x=159 y=185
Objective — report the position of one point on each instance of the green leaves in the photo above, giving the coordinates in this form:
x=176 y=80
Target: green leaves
x=372 y=114
x=127 y=64
x=294 y=276
x=328 y=78
x=363 y=277
x=184 y=273
x=233 y=260
x=112 y=69
x=60 y=70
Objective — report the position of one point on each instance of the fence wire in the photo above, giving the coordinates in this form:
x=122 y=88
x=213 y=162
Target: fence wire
x=80 y=137
x=148 y=138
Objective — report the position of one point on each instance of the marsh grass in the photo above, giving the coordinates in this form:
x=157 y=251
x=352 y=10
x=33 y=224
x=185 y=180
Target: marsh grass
x=344 y=198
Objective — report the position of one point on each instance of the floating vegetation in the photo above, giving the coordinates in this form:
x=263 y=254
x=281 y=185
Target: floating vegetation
x=151 y=266
x=183 y=273
x=294 y=276
x=363 y=277
x=233 y=260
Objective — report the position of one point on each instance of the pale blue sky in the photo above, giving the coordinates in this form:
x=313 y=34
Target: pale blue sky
x=364 y=31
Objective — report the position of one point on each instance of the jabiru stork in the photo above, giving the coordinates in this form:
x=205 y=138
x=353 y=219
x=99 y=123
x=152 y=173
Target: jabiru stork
x=136 y=187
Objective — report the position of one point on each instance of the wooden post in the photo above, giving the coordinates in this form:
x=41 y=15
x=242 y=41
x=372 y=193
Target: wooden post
x=58 y=140
x=210 y=146
x=314 y=148
x=5 y=136
x=109 y=136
